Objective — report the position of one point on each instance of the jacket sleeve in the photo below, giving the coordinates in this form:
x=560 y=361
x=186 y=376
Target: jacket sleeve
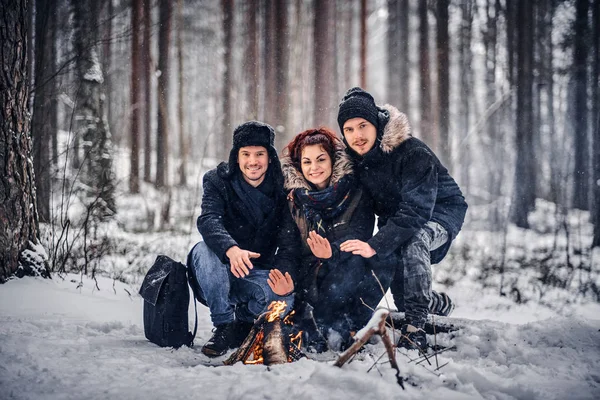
x=210 y=222
x=360 y=225
x=289 y=243
x=419 y=176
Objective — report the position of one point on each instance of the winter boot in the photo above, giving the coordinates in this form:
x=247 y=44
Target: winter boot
x=223 y=339
x=440 y=304
x=412 y=338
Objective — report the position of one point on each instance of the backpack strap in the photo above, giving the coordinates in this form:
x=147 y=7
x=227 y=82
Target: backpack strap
x=195 y=322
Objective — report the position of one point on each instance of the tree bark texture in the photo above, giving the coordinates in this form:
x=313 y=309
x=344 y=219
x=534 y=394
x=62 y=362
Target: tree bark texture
x=183 y=147
x=162 y=133
x=363 y=44
x=135 y=93
x=147 y=69
x=44 y=123
x=398 y=51
x=251 y=65
x=581 y=172
x=443 y=83
x=92 y=126
x=426 y=125
x=524 y=194
x=466 y=79
x=596 y=119
x=18 y=210
x=324 y=64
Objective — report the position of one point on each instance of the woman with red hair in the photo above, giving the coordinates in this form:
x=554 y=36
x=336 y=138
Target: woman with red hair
x=330 y=208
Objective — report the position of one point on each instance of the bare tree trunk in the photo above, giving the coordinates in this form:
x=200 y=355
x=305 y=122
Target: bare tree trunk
x=363 y=43
x=443 y=59
x=92 y=126
x=251 y=67
x=135 y=109
x=347 y=21
x=18 y=209
x=581 y=172
x=426 y=126
x=269 y=61
x=466 y=78
x=511 y=31
x=281 y=73
x=162 y=142
x=524 y=195
x=397 y=52
x=183 y=147
x=226 y=128
x=107 y=59
x=147 y=78
x=324 y=41
x=44 y=104
x=596 y=117
x=490 y=39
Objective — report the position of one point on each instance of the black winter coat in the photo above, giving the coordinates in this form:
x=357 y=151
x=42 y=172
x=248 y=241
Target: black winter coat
x=356 y=222
x=224 y=223
x=409 y=186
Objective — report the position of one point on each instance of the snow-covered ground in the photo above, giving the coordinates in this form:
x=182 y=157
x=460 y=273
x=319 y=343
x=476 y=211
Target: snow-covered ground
x=66 y=339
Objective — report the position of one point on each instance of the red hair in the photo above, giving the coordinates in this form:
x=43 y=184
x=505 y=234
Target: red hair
x=321 y=136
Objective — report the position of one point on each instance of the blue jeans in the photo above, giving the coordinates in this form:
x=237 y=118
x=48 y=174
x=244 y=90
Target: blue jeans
x=230 y=298
x=411 y=286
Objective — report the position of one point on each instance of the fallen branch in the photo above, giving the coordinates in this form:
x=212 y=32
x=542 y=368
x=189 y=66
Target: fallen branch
x=375 y=326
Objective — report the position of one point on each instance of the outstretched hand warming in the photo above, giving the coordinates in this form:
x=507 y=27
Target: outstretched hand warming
x=319 y=245
x=280 y=284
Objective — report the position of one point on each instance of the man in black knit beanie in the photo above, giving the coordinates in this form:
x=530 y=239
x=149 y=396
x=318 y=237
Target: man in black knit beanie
x=420 y=207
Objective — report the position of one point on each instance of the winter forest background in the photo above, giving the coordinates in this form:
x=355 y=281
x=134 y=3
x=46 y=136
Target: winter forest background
x=112 y=110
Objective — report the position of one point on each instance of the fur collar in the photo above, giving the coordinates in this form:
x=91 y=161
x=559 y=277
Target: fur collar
x=396 y=131
x=293 y=178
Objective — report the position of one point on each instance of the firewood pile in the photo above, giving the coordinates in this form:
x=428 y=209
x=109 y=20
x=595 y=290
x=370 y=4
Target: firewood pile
x=272 y=340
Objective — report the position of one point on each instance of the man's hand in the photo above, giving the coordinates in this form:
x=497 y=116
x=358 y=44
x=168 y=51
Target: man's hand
x=239 y=260
x=358 y=247
x=280 y=284
x=319 y=245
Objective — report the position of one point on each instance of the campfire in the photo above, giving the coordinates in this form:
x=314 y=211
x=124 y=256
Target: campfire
x=271 y=340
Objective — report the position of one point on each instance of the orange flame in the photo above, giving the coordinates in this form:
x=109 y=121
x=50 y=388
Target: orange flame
x=276 y=309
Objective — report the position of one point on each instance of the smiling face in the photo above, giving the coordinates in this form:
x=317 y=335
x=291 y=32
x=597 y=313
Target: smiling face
x=253 y=162
x=316 y=165
x=360 y=135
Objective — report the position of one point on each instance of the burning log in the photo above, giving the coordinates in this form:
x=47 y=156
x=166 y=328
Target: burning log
x=270 y=340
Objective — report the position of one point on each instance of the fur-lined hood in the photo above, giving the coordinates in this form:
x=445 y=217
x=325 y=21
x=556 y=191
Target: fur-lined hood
x=293 y=178
x=396 y=130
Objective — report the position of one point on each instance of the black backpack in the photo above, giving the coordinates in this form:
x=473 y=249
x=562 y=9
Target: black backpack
x=166 y=299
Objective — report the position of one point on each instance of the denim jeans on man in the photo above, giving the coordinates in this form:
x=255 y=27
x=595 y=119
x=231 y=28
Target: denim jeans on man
x=228 y=297
x=411 y=287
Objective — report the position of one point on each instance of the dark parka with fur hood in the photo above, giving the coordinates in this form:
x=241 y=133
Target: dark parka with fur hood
x=224 y=220
x=409 y=186
x=356 y=222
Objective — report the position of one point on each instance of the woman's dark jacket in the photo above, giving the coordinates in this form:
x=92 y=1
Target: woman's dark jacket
x=409 y=186
x=356 y=222
x=224 y=223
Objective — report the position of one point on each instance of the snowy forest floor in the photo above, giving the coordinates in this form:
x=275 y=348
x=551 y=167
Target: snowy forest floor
x=78 y=337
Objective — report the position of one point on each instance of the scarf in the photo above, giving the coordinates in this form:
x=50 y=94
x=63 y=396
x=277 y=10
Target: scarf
x=324 y=205
x=259 y=201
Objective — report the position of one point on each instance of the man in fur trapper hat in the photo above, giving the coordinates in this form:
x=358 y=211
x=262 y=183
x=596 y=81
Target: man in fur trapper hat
x=244 y=222
x=420 y=207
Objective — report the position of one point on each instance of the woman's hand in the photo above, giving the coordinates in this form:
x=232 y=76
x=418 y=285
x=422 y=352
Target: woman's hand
x=358 y=247
x=319 y=246
x=280 y=284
